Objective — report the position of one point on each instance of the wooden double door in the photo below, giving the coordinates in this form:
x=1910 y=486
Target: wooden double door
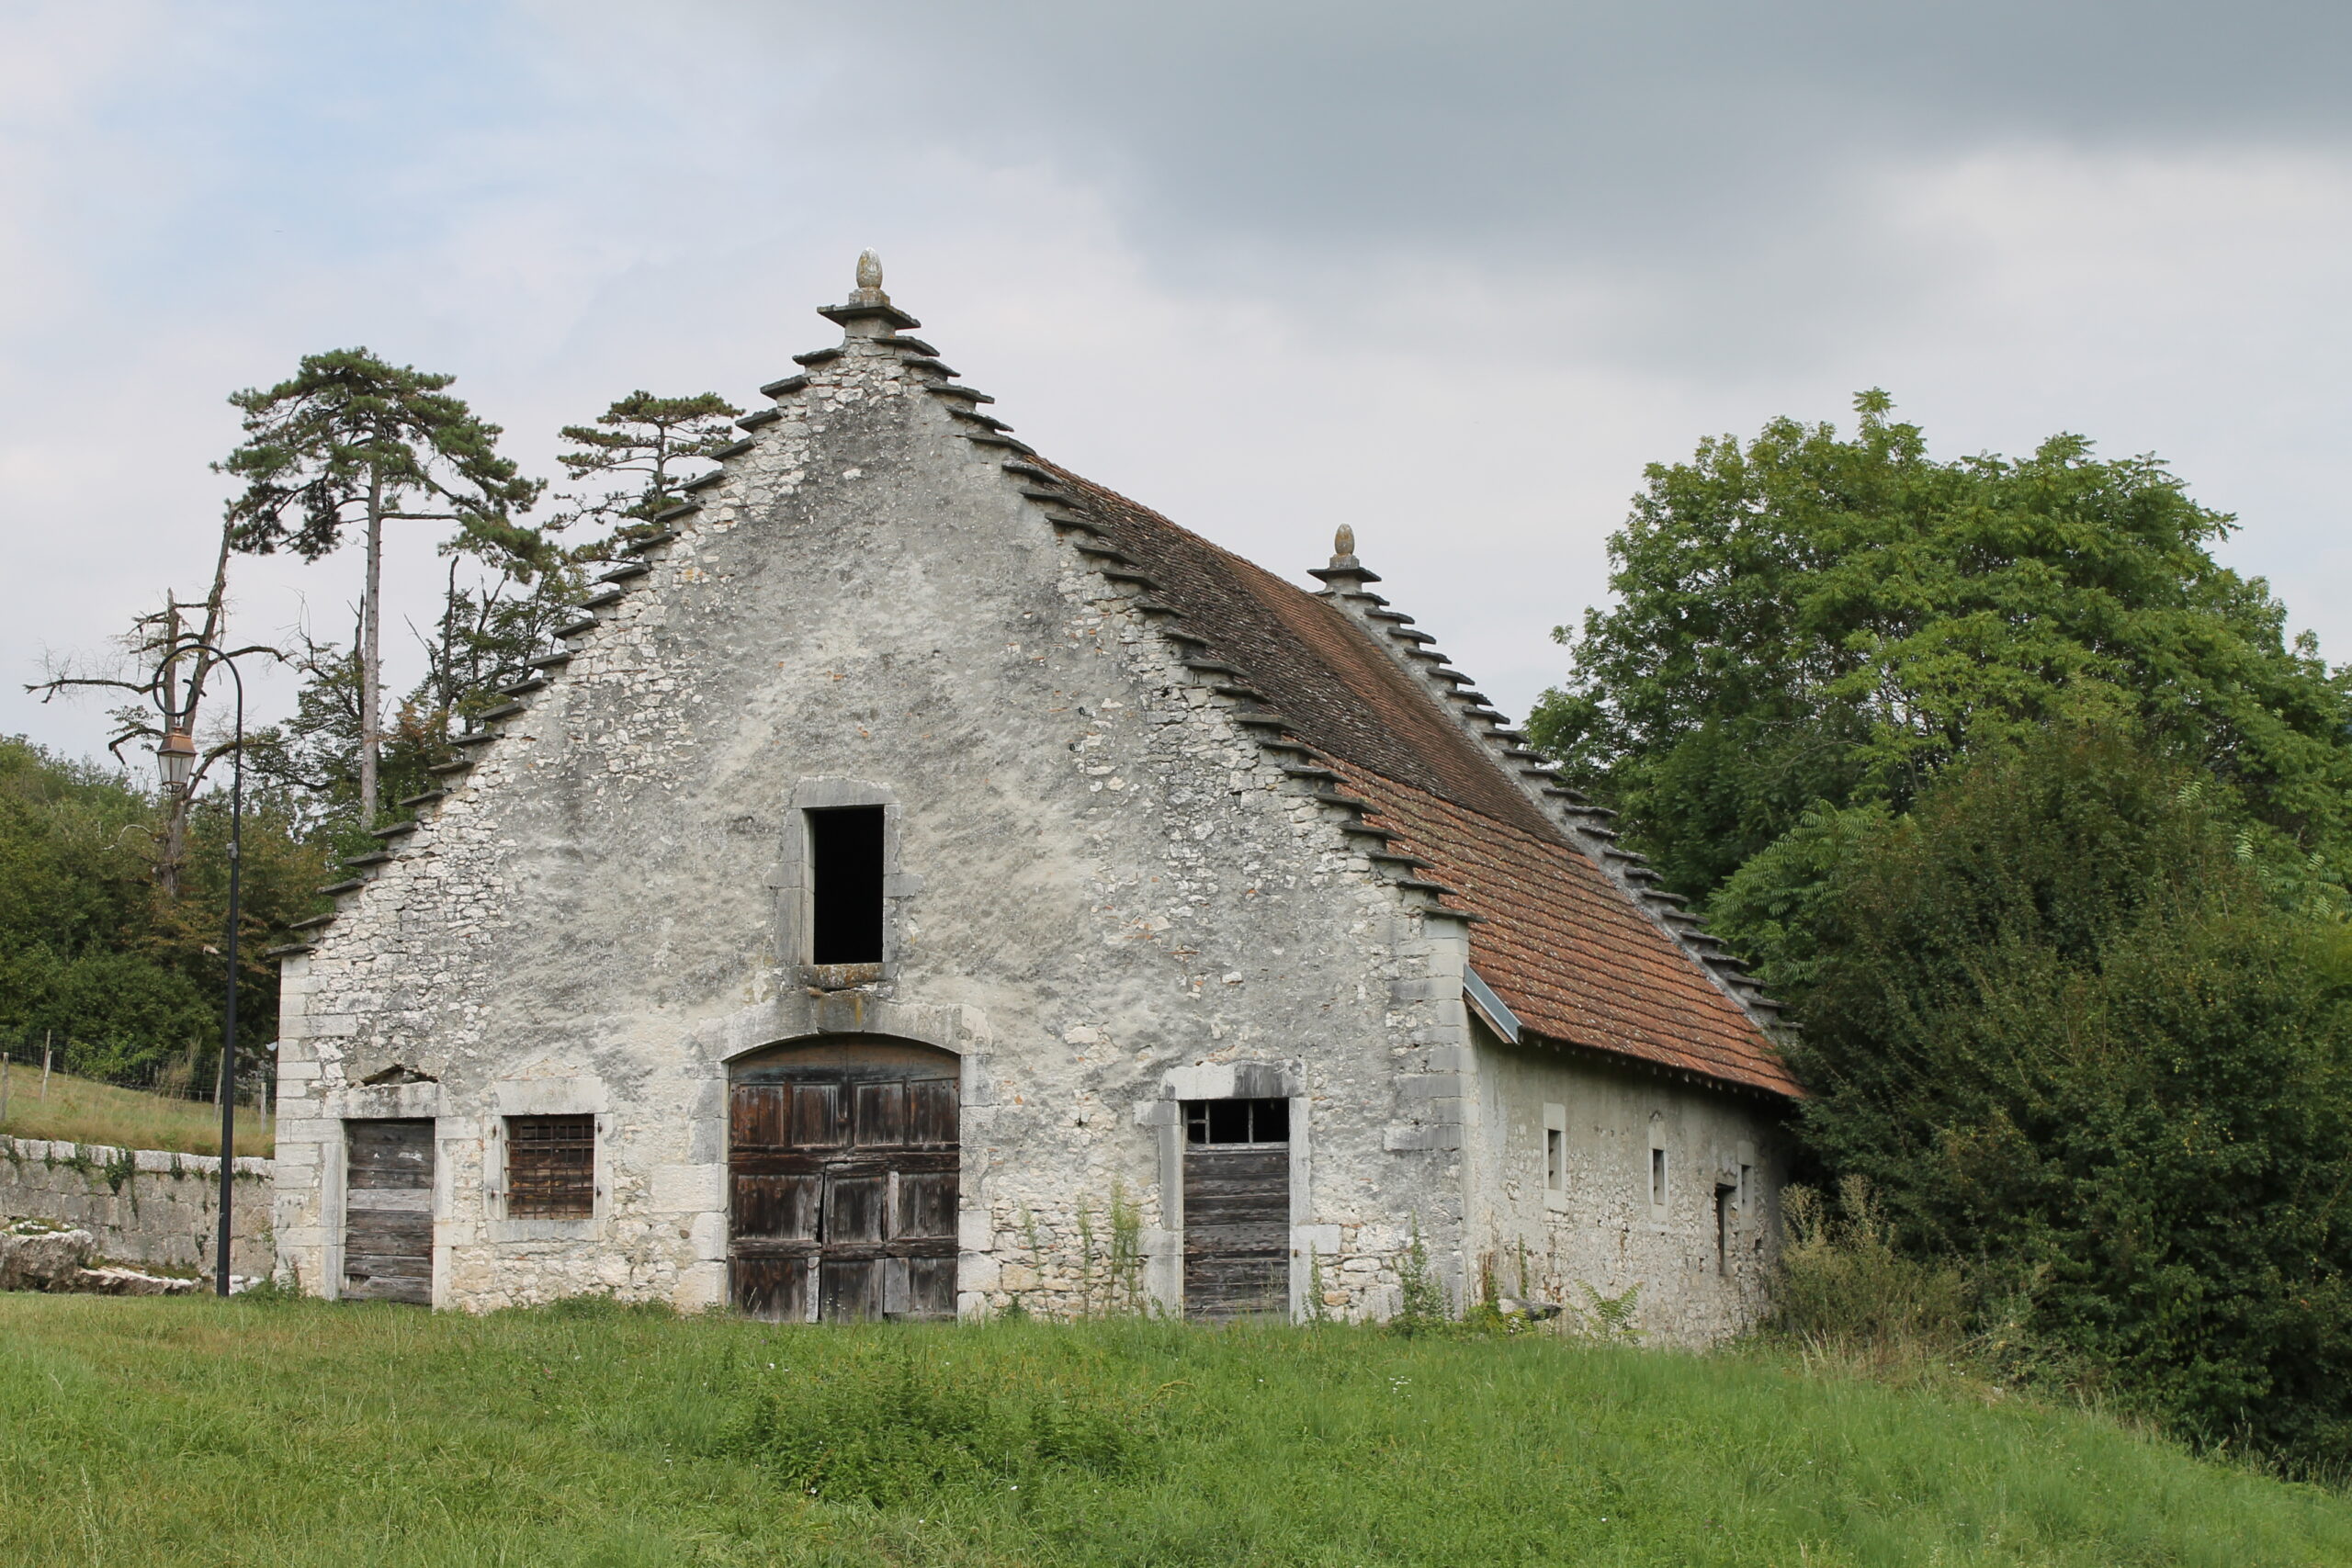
x=842 y=1167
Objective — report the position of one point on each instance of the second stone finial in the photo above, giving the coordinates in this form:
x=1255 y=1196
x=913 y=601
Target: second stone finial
x=1343 y=544
x=869 y=279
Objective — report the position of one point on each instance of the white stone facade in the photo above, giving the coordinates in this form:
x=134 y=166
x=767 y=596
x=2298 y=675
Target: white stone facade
x=1106 y=898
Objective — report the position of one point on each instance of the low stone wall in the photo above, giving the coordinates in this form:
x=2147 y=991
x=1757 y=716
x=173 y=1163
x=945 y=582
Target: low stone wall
x=142 y=1206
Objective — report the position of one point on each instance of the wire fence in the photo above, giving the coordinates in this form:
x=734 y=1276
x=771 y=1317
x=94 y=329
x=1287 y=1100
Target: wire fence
x=32 y=1059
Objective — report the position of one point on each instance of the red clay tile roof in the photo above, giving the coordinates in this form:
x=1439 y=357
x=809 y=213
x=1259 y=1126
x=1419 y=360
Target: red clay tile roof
x=1564 y=946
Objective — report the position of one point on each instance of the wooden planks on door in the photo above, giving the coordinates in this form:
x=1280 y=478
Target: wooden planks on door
x=388 y=1212
x=843 y=1163
x=1237 y=1229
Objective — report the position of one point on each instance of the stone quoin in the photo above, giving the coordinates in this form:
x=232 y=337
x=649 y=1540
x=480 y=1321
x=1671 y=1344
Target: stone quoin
x=926 y=883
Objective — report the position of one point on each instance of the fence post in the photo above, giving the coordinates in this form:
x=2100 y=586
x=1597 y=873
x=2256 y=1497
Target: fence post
x=48 y=1050
x=4 y=1086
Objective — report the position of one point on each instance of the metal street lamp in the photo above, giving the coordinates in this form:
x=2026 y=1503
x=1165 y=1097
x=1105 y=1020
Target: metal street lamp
x=176 y=757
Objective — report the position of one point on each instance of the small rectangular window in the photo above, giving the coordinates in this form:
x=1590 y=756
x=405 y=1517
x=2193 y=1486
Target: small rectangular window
x=1657 y=1177
x=1725 y=1196
x=1555 y=1159
x=551 y=1167
x=1237 y=1121
x=845 y=885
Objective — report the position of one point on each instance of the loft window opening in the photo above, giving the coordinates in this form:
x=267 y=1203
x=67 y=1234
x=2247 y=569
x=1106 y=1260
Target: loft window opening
x=551 y=1167
x=1237 y=1121
x=845 y=885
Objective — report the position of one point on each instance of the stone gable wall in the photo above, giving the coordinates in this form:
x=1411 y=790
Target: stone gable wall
x=1105 y=884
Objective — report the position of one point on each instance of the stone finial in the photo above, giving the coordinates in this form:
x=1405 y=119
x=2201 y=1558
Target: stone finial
x=1345 y=574
x=869 y=281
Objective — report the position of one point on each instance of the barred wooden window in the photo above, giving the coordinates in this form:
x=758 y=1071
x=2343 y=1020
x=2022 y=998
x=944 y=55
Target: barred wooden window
x=551 y=1167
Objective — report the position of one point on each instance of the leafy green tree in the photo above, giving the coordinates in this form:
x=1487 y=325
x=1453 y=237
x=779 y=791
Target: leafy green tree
x=2075 y=1021
x=92 y=953
x=351 y=439
x=662 y=441
x=1816 y=618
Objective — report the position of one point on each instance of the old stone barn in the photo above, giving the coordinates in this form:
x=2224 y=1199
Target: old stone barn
x=925 y=882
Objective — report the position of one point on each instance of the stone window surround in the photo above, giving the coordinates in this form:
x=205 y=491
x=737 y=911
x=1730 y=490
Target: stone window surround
x=544 y=1097
x=791 y=879
x=1556 y=1121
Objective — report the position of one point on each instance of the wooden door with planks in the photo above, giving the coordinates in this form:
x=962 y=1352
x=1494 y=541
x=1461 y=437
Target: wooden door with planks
x=1237 y=1208
x=842 y=1164
x=388 y=1212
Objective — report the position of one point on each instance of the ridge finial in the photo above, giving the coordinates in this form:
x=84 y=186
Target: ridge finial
x=869 y=279
x=1343 y=547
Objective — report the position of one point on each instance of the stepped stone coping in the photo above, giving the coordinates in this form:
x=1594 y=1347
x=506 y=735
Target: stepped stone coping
x=817 y=357
x=623 y=572
x=890 y=315
x=734 y=449
x=556 y=660
x=985 y=421
x=372 y=857
x=575 y=628
x=426 y=798
x=474 y=738
x=785 y=388
x=759 y=417
x=1209 y=667
x=311 y=924
x=146 y=1162
x=994 y=438
x=1390 y=857
x=900 y=340
x=348 y=884
x=504 y=710
x=528 y=684
x=455 y=765
x=955 y=389
x=926 y=361
x=396 y=830
x=684 y=508
x=599 y=600
x=652 y=542
x=1120 y=574
x=704 y=481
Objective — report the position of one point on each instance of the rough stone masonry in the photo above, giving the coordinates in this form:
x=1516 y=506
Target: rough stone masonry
x=923 y=882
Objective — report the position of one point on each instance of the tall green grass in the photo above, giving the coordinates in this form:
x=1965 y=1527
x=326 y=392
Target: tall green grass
x=299 y=1433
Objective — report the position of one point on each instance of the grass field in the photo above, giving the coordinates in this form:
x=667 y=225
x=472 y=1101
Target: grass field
x=298 y=1433
x=81 y=1111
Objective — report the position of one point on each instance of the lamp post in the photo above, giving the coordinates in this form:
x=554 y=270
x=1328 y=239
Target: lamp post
x=176 y=757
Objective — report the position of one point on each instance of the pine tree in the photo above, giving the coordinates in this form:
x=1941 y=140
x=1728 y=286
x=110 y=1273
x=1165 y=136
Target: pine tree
x=353 y=439
x=649 y=436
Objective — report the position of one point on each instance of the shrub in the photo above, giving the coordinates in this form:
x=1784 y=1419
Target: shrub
x=1843 y=1286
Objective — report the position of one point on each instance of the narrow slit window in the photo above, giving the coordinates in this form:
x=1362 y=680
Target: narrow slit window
x=550 y=1168
x=1237 y=1122
x=845 y=893
x=1657 y=1177
x=1725 y=1197
x=1555 y=1159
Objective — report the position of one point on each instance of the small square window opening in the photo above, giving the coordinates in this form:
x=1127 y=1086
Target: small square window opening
x=845 y=885
x=1237 y=1121
x=551 y=1167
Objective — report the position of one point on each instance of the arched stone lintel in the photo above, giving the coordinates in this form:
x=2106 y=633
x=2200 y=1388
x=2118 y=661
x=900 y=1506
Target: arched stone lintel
x=957 y=1030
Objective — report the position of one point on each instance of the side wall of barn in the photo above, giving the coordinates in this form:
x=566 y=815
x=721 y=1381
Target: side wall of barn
x=1594 y=1182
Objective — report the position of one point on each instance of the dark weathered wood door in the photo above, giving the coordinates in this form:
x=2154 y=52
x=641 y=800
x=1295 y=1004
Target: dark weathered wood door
x=843 y=1162
x=1237 y=1209
x=388 y=1212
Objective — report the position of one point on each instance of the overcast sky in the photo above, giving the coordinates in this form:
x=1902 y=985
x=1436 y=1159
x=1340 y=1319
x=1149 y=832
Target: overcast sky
x=1452 y=273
